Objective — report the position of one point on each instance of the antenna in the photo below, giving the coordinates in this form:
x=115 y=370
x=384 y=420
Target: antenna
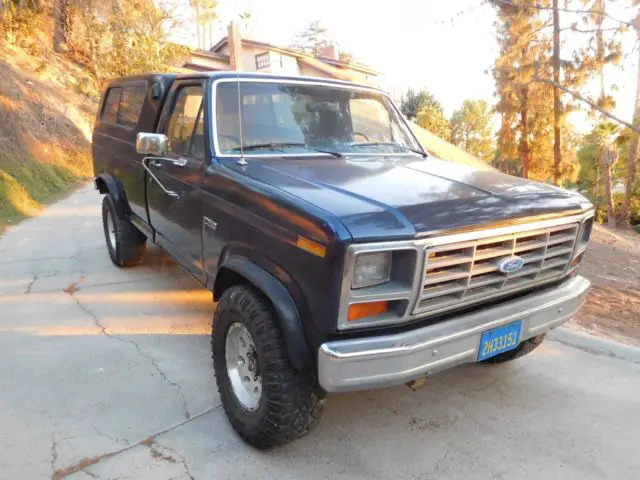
x=242 y=161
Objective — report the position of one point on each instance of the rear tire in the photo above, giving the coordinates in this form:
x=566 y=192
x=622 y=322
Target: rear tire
x=523 y=349
x=125 y=243
x=280 y=403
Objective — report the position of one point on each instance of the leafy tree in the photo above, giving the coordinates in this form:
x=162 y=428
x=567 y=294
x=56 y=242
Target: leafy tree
x=530 y=73
x=124 y=38
x=346 y=57
x=205 y=18
x=471 y=129
x=312 y=39
x=523 y=105
x=427 y=111
x=432 y=118
x=413 y=101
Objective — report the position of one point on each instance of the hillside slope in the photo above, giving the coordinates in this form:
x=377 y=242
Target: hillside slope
x=47 y=106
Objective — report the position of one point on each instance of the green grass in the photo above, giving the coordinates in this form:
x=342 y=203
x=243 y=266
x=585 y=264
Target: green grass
x=26 y=184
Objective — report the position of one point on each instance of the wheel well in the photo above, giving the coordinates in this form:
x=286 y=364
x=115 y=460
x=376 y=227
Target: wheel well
x=276 y=294
x=225 y=279
x=101 y=185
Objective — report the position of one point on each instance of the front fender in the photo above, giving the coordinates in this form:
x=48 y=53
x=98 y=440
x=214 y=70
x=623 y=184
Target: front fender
x=286 y=310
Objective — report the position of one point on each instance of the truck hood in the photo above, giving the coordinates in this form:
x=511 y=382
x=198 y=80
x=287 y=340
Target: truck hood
x=382 y=198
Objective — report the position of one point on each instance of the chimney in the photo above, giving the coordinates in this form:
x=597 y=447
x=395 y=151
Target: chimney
x=235 y=46
x=331 y=51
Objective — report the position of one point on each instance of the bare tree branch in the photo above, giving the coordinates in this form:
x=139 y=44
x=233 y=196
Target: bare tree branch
x=577 y=30
x=568 y=10
x=592 y=104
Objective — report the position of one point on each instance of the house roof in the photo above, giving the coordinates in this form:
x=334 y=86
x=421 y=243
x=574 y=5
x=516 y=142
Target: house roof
x=339 y=64
x=210 y=54
x=360 y=67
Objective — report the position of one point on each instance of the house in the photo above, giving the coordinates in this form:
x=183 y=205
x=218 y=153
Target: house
x=236 y=53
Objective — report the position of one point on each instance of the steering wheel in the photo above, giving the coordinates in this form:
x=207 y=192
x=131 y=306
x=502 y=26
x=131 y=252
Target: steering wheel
x=362 y=135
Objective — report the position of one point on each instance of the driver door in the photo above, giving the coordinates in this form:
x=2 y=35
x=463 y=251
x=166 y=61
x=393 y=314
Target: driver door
x=174 y=194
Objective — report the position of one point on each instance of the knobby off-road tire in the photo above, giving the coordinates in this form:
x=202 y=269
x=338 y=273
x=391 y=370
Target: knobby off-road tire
x=287 y=406
x=125 y=243
x=523 y=349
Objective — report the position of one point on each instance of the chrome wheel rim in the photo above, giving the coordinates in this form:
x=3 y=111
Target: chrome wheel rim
x=242 y=367
x=111 y=230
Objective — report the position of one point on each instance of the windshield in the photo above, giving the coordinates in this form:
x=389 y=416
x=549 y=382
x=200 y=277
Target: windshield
x=295 y=119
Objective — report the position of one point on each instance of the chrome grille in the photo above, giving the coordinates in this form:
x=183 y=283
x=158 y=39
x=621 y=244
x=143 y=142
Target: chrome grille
x=464 y=273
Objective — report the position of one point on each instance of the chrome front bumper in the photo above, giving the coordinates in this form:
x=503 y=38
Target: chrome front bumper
x=382 y=361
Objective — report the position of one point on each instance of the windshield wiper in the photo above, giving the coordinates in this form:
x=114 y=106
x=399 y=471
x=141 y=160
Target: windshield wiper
x=281 y=145
x=390 y=144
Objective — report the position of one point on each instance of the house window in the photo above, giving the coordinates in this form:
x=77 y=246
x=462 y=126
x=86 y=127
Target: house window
x=263 y=61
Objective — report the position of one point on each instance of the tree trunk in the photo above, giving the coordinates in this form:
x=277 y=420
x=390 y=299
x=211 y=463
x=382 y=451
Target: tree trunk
x=524 y=134
x=609 y=158
x=597 y=193
x=632 y=163
x=557 y=105
x=62 y=24
x=600 y=6
x=197 y=3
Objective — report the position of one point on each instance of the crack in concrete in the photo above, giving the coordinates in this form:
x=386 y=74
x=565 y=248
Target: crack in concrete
x=73 y=286
x=54 y=453
x=86 y=463
x=30 y=285
x=36 y=277
x=106 y=284
x=181 y=459
x=114 y=440
x=103 y=330
x=42 y=259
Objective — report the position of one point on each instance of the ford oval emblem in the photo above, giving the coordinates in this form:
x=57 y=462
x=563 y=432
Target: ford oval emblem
x=510 y=265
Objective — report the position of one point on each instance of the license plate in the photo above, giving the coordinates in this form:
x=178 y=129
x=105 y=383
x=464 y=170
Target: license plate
x=498 y=340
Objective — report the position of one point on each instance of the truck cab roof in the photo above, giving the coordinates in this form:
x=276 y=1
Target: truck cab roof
x=168 y=78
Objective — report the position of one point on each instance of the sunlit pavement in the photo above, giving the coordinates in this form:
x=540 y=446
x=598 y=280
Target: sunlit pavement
x=106 y=373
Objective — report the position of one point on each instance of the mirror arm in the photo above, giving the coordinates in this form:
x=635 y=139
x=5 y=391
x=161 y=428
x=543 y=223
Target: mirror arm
x=145 y=161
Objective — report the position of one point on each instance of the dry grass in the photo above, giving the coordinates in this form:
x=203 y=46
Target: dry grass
x=47 y=106
x=613 y=305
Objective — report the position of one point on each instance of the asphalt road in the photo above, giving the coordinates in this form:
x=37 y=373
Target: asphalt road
x=106 y=373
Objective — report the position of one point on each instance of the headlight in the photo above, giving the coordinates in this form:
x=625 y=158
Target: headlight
x=371 y=269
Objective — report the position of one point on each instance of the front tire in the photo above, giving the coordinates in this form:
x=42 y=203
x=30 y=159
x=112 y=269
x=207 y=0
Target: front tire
x=125 y=243
x=523 y=349
x=268 y=402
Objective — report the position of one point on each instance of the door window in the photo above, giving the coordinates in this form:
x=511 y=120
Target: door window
x=182 y=121
x=197 y=142
x=131 y=105
x=111 y=103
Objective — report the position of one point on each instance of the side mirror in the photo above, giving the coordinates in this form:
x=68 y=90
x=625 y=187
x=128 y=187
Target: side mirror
x=155 y=144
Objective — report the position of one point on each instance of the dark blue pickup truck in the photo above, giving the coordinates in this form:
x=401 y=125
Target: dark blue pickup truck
x=341 y=256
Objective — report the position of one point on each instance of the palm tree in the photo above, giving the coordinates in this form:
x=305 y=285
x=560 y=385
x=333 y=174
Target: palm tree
x=607 y=134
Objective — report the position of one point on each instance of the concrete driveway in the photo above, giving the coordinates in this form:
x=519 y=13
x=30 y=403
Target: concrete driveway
x=106 y=373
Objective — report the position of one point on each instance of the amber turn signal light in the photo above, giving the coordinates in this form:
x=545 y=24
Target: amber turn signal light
x=362 y=310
